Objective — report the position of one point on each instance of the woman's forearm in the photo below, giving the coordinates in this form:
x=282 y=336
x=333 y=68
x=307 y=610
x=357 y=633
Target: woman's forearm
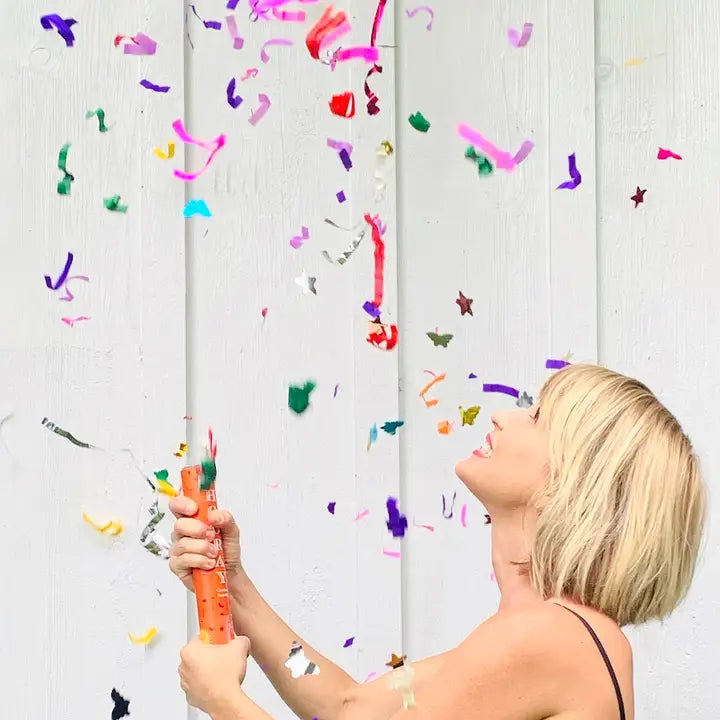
x=239 y=707
x=310 y=696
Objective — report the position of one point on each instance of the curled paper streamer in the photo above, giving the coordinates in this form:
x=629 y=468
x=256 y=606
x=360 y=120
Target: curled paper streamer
x=298 y=664
x=150 y=538
x=372 y=103
x=63 y=275
x=196 y=207
x=272 y=41
x=141 y=45
x=664 y=154
x=297 y=240
x=61 y=25
x=367 y=54
x=63 y=186
x=575 y=177
x=209 y=24
x=379 y=258
x=233 y=99
x=288 y=16
x=520 y=39
x=382 y=336
x=165 y=155
x=505 y=389
x=448 y=513
x=238 y=42
x=71 y=321
x=68 y=296
x=422 y=8
x=555 y=364
x=64 y=433
x=343 y=105
x=262 y=108
x=113 y=204
x=433 y=401
x=145 y=639
x=391 y=553
x=328 y=28
x=396 y=522
x=100 y=116
x=250 y=72
x=212 y=147
x=111 y=527
x=502 y=159
x=155 y=88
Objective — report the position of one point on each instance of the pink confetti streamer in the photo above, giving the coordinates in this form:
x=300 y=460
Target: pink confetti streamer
x=262 y=108
x=273 y=486
x=361 y=515
x=238 y=42
x=422 y=8
x=502 y=159
x=463 y=515
x=664 y=154
x=426 y=527
x=369 y=676
x=368 y=54
x=391 y=553
x=71 y=321
x=249 y=73
x=272 y=41
x=68 y=297
x=339 y=145
x=288 y=16
x=336 y=34
x=297 y=240
x=212 y=147
x=141 y=45
x=520 y=39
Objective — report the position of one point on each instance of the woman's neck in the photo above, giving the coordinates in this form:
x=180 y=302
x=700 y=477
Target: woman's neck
x=511 y=542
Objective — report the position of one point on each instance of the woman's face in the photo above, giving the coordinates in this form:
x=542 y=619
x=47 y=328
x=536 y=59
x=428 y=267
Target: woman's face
x=512 y=464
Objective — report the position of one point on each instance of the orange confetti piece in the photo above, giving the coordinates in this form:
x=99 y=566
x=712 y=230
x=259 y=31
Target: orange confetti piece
x=423 y=392
x=444 y=427
x=181 y=450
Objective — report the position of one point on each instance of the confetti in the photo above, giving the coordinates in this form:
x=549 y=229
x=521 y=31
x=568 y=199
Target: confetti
x=327 y=29
x=209 y=24
x=71 y=321
x=484 y=166
x=520 y=39
x=141 y=45
x=425 y=527
x=348 y=642
x=113 y=204
x=555 y=364
x=372 y=99
x=63 y=186
x=62 y=27
x=343 y=105
x=212 y=147
x=382 y=336
x=422 y=8
x=264 y=57
x=331 y=508
x=391 y=553
x=418 y=121
x=346 y=254
x=181 y=451
x=231 y=25
x=444 y=427
x=68 y=296
x=396 y=522
x=345 y=158
x=664 y=154
x=368 y=54
x=524 y=400
x=361 y=515
x=196 y=207
x=386 y=147
x=575 y=177
x=396 y=661
x=163 y=485
x=259 y=112
x=488 y=520
x=391 y=427
x=298 y=664
x=63 y=275
x=440 y=340
x=468 y=416
x=296 y=241
x=379 y=257
x=144 y=639
x=448 y=513
x=639 y=196
x=472 y=376
x=121 y=705
x=502 y=159
x=155 y=88
x=165 y=155
x=150 y=538
x=424 y=390
x=64 y=433
x=111 y=527
x=464 y=303
x=463 y=515
x=335 y=390
x=249 y=73
x=233 y=99
x=307 y=283
x=634 y=61
x=299 y=397
x=340 y=197
x=100 y=116
x=372 y=437
x=496 y=388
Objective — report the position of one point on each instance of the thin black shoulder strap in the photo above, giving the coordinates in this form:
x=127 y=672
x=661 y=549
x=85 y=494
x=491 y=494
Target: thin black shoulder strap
x=605 y=657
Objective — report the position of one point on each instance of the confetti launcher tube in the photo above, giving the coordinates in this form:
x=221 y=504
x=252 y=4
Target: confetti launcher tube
x=211 y=590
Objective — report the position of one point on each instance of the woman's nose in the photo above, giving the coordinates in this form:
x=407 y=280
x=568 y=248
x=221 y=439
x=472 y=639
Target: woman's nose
x=495 y=420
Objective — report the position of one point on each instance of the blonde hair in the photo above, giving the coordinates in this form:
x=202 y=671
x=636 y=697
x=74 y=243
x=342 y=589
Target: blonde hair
x=621 y=518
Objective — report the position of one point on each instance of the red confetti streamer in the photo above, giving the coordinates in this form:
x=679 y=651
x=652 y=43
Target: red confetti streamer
x=379 y=260
x=372 y=104
x=328 y=23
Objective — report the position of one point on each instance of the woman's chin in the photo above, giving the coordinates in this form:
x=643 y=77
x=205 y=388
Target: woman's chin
x=467 y=471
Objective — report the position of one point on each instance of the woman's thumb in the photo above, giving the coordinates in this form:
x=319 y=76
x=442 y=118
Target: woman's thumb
x=242 y=644
x=224 y=521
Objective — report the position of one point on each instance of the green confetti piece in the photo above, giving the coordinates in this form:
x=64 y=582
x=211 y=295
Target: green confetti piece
x=299 y=397
x=161 y=475
x=209 y=473
x=419 y=122
x=484 y=165
x=63 y=186
x=100 y=116
x=113 y=204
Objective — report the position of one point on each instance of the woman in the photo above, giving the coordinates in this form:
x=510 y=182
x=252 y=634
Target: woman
x=597 y=512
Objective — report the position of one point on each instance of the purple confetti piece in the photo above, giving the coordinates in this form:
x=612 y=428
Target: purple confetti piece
x=556 y=364
x=297 y=240
x=141 y=45
x=335 y=391
x=209 y=24
x=331 y=508
x=340 y=196
x=339 y=145
x=273 y=41
x=345 y=157
x=396 y=523
x=506 y=389
x=68 y=297
x=232 y=4
x=520 y=39
x=62 y=27
x=238 y=42
x=424 y=8
x=348 y=642
x=575 y=177
x=233 y=99
x=371 y=309
x=448 y=515
x=523 y=151
x=263 y=107
x=63 y=275
x=472 y=376
x=155 y=88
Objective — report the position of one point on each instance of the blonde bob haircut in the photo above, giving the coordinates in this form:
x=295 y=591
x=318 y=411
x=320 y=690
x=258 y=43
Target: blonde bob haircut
x=621 y=518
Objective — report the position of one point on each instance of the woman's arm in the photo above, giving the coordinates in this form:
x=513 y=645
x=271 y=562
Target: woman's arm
x=239 y=707
x=310 y=696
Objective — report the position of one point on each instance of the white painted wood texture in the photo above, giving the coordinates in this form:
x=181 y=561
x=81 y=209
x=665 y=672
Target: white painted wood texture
x=631 y=291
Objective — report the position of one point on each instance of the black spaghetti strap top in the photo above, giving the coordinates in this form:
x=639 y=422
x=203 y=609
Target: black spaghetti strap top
x=605 y=657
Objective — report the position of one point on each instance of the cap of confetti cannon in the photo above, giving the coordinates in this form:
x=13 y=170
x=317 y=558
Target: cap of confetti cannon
x=211 y=589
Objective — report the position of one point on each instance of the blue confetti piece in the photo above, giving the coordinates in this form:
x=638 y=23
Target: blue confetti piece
x=196 y=207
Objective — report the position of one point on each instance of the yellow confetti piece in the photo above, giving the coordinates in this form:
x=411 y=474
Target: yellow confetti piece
x=387 y=147
x=165 y=156
x=145 y=639
x=112 y=527
x=181 y=450
x=634 y=61
x=165 y=488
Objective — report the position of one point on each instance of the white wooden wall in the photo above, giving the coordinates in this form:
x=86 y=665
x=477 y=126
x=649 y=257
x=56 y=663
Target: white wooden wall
x=176 y=326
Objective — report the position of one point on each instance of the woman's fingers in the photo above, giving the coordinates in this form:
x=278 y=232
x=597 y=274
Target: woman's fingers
x=182 y=506
x=183 y=564
x=190 y=527
x=193 y=546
